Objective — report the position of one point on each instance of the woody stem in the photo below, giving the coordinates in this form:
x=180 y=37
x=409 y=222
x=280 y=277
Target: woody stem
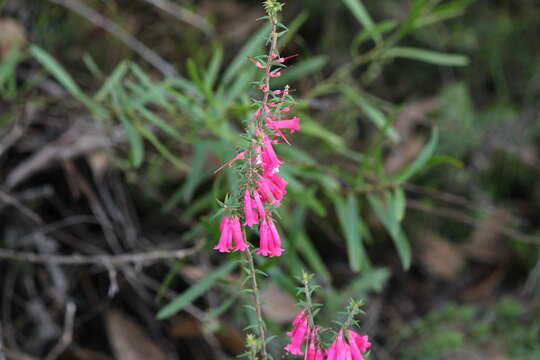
x=270 y=60
x=256 y=301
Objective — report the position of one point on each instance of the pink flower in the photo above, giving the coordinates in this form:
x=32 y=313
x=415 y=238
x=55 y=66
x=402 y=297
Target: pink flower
x=269 y=157
x=257 y=63
x=291 y=124
x=239 y=156
x=283 y=59
x=274 y=74
x=264 y=233
x=230 y=228
x=250 y=215
x=225 y=239
x=298 y=334
x=259 y=205
x=266 y=193
x=237 y=235
x=339 y=350
x=274 y=244
x=314 y=352
x=358 y=343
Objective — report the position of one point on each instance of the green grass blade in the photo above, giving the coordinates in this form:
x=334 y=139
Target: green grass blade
x=386 y=216
x=428 y=56
x=422 y=159
x=359 y=11
x=349 y=219
x=251 y=48
x=188 y=296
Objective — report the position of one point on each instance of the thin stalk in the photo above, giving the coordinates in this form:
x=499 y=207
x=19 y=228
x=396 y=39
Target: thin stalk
x=256 y=301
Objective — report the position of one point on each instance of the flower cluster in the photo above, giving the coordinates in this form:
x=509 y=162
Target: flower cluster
x=351 y=348
x=263 y=187
x=302 y=331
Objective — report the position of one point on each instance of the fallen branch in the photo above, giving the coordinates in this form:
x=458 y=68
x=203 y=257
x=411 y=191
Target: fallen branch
x=129 y=40
x=67 y=334
x=184 y=15
x=466 y=219
x=105 y=260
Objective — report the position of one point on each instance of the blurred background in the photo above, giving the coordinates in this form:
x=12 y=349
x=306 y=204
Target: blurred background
x=413 y=183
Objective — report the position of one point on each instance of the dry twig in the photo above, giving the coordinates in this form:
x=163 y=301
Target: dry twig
x=104 y=260
x=466 y=219
x=67 y=333
x=99 y=20
x=184 y=15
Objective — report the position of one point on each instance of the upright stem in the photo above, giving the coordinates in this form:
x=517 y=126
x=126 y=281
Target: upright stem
x=248 y=254
x=256 y=301
x=270 y=59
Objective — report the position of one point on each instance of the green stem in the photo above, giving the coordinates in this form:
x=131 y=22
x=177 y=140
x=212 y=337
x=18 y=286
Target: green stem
x=257 y=302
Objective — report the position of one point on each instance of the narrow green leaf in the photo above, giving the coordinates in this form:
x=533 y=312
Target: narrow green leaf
x=432 y=57
x=250 y=48
x=399 y=203
x=363 y=17
x=157 y=121
x=300 y=69
x=113 y=80
x=375 y=115
x=386 y=216
x=349 y=219
x=62 y=76
x=303 y=243
x=163 y=150
x=422 y=159
x=55 y=69
x=188 y=296
x=213 y=69
x=382 y=28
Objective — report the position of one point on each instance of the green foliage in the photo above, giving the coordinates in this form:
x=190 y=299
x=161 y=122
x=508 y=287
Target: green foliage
x=204 y=109
x=458 y=329
x=188 y=296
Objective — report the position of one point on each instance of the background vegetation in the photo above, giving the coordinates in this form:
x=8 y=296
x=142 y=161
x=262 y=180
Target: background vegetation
x=413 y=182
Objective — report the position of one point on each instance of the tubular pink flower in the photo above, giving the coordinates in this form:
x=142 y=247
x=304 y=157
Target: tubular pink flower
x=358 y=343
x=269 y=157
x=237 y=235
x=256 y=63
x=250 y=215
x=275 y=242
x=314 y=352
x=291 y=124
x=225 y=239
x=283 y=59
x=264 y=187
x=298 y=334
x=339 y=350
x=259 y=205
x=264 y=233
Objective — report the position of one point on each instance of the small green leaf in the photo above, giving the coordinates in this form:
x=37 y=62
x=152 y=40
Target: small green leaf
x=188 y=296
x=349 y=219
x=399 y=203
x=428 y=56
x=394 y=229
x=375 y=115
x=249 y=49
x=363 y=17
x=422 y=159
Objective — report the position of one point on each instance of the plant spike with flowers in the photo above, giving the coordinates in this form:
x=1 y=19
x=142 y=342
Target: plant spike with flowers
x=348 y=344
x=262 y=188
x=257 y=167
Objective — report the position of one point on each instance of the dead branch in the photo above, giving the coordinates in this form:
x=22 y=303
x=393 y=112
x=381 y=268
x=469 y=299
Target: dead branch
x=130 y=41
x=184 y=15
x=469 y=220
x=67 y=333
x=104 y=260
